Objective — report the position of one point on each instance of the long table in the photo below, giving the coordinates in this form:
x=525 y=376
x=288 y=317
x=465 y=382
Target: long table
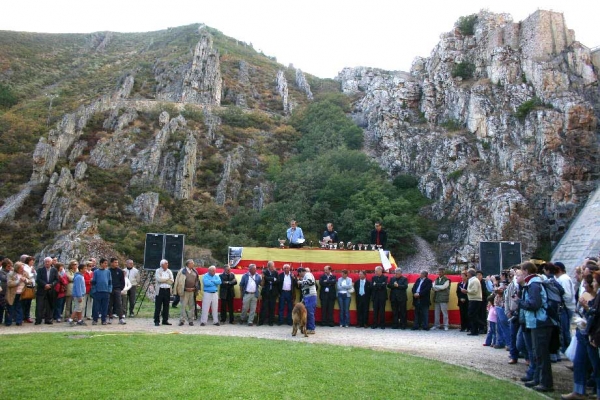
x=316 y=259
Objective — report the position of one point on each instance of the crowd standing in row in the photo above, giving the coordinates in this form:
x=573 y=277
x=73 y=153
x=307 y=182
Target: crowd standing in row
x=75 y=294
x=518 y=310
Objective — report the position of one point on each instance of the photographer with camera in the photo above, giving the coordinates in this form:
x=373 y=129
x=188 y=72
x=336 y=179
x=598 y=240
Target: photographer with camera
x=306 y=282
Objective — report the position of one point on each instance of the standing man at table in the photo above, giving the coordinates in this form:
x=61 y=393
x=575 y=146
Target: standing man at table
x=379 y=236
x=330 y=235
x=294 y=233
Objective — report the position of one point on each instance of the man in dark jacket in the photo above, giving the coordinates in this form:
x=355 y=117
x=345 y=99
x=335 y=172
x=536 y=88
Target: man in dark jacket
x=47 y=278
x=422 y=300
x=362 y=289
x=327 y=294
x=287 y=285
x=227 y=293
x=269 y=293
x=118 y=281
x=379 y=236
x=398 y=286
x=379 y=287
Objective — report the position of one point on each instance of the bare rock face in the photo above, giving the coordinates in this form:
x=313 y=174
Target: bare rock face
x=57 y=200
x=494 y=174
x=282 y=89
x=302 y=84
x=199 y=82
x=145 y=206
x=114 y=150
x=145 y=166
x=186 y=169
x=82 y=241
x=230 y=184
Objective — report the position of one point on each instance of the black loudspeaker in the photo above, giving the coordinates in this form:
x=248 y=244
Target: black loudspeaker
x=489 y=258
x=153 y=252
x=511 y=254
x=174 y=251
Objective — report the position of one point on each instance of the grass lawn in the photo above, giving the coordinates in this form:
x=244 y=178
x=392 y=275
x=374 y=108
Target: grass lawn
x=148 y=366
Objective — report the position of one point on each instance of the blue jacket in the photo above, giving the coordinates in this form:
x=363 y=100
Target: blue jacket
x=244 y=283
x=211 y=283
x=78 y=285
x=534 y=303
x=102 y=281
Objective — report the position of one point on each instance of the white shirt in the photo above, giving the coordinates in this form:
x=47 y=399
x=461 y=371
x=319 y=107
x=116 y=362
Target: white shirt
x=164 y=278
x=287 y=281
x=251 y=285
x=569 y=296
x=132 y=274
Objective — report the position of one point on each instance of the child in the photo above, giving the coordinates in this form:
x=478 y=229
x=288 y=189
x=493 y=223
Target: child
x=492 y=318
x=78 y=294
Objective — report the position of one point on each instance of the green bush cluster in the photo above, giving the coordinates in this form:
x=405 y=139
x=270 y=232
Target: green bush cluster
x=7 y=97
x=527 y=106
x=452 y=125
x=466 y=24
x=454 y=175
x=463 y=69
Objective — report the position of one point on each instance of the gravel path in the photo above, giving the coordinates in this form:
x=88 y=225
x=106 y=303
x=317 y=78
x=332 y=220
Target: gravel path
x=453 y=346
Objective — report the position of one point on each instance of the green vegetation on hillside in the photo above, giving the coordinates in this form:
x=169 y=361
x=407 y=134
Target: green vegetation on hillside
x=309 y=166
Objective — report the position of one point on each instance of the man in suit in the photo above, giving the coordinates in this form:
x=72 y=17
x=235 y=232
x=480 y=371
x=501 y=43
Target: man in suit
x=379 y=287
x=47 y=278
x=227 y=293
x=328 y=296
x=269 y=293
x=362 y=289
x=379 y=236
x=422 y=300
x=287 y=285
x=398 y=286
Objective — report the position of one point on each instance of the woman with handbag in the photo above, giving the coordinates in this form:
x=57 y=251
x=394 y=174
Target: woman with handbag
x=18 y=280
x=26 y=300
x=71 y=270
x=61 y=290
x=586 y=353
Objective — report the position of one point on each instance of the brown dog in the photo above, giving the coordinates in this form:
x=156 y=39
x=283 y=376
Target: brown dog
x=299 y=319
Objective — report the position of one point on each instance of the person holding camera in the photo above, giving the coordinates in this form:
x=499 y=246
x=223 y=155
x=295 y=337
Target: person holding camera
x=306 y=282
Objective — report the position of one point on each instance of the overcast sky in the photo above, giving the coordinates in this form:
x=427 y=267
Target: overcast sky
x=319 y=37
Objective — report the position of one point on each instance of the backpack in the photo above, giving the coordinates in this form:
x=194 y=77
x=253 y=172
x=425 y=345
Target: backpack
x=554 y=299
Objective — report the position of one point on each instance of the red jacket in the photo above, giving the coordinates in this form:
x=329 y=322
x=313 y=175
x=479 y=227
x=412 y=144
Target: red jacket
x=61 y=286
x=87 y=277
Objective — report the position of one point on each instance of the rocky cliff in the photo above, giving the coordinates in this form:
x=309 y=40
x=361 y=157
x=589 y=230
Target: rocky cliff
x=507 y=151
x=499 y=125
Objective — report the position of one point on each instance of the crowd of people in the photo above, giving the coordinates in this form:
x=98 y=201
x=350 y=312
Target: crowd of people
x=73 y=294
x=527 y=310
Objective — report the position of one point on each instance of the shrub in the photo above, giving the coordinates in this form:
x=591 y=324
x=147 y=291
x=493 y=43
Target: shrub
x=466 y=24
x=464 y=70
x=526 y=107
x=453 y=176
x=7 y=97
x=405 y=181
x=452 y=125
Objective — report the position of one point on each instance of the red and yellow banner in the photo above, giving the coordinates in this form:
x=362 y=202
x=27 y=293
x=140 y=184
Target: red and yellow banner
x=315 y=259
x=453 y=310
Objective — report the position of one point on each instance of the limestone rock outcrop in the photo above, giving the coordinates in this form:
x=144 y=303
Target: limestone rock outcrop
x=507 y=153
x=198 y=82
x=282 y=88
x=303 y=84
x=144 y=206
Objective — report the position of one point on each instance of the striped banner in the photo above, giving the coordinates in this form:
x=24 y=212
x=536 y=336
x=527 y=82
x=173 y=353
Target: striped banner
x=453 y=310
x=315 y=259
